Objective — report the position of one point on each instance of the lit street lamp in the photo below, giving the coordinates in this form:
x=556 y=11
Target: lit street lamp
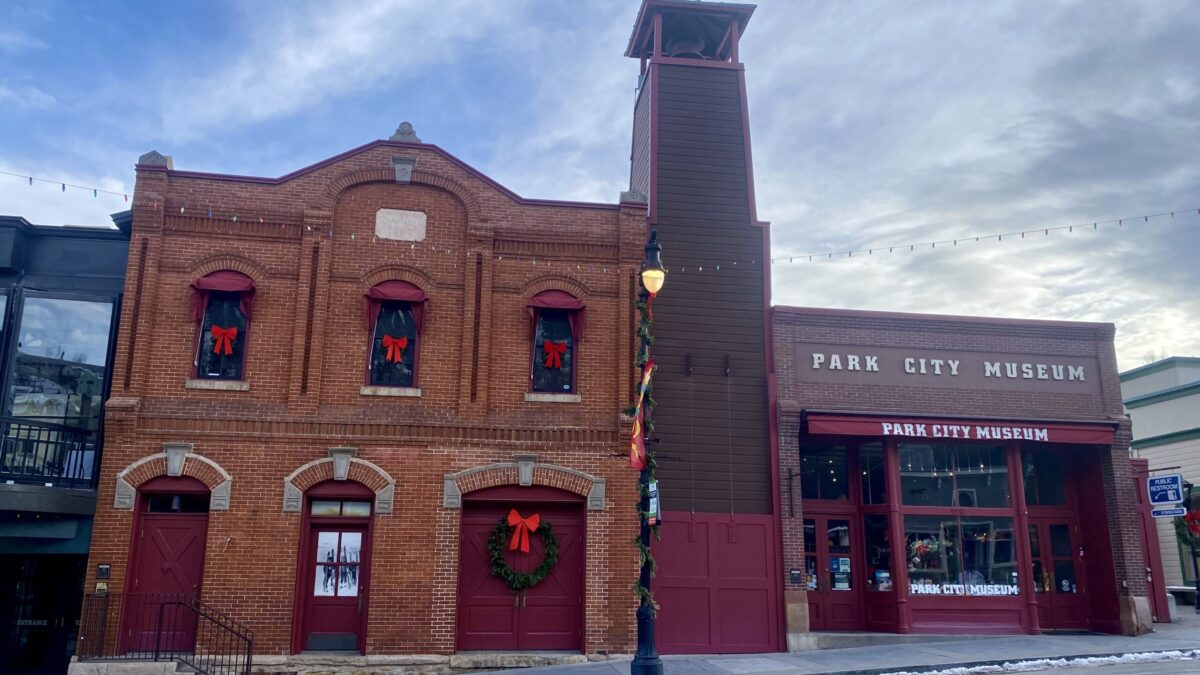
x=646 y=660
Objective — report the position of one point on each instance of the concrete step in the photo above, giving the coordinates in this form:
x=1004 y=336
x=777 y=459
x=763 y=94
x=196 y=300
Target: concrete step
x=828 y=640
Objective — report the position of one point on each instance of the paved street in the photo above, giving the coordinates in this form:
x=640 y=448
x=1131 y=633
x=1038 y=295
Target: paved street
x=1183 y=636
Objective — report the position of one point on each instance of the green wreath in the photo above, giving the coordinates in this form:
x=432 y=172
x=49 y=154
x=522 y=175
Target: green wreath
x=1187 y=529
x=515 y=580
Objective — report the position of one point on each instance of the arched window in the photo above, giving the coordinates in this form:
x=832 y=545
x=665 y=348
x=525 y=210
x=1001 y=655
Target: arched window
x=221 y=303
x=393 y=312
x=557 y=320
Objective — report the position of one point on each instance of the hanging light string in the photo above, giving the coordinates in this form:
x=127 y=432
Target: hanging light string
x=96 y=192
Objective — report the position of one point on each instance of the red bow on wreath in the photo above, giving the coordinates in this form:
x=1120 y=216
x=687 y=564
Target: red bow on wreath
x=395 y=348
x=223 y=339
x=1192 y=519
x=554 y=353
x=522 y=528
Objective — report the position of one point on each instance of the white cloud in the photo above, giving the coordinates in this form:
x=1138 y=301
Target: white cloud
x=25 y=97
x=17 y=42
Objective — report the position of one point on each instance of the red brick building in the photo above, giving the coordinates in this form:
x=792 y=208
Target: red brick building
x=955 y=474
x=323 y=380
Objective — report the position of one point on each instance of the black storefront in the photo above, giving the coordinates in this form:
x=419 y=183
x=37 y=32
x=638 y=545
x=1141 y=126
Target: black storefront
x=60 y=290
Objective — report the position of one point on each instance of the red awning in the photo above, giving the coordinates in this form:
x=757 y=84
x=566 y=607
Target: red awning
x=222 y=280
x=400 y=291
x=1100 y=433
x=577 y=316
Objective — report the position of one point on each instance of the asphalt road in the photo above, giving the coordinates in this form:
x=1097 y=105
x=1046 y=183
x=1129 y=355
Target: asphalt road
x=1172 y=667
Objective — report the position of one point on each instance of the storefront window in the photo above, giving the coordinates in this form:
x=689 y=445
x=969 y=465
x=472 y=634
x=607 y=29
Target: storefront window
x=954 y=475
x=988 y=555
x=1044 y=479
x=971 y=556
x=930 y=544
x=874 y=478
x=823 y=472
x=879 y=561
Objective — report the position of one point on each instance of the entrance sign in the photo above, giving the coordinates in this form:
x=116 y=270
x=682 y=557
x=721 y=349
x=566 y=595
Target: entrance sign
x=1173 y=512
x=1165 y=489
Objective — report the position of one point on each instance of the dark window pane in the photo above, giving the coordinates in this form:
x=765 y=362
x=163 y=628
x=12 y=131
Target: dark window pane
x=930 y=546
x=838 y=535
x=185 y=503
x=810 y=535
x=1060 y=540
x=1044 y=480
x=982 y=476
x=989 y=557
x=926 y=477
x=62 y=358
x=1064 y=576
x=823 y=473
x=553 y=352
x=394 y=346
x=222 y=351
x=874 y=478
x=879 y=561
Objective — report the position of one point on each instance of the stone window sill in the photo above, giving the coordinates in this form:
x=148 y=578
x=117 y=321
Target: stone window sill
x=218 y=385
x=403 y=392
x=546 y=397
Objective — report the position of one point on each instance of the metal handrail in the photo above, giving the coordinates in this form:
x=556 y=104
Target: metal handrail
x=36 y=451
x=164 y=627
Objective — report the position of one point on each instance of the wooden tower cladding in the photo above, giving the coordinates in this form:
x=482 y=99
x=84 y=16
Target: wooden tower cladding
x=691 y=158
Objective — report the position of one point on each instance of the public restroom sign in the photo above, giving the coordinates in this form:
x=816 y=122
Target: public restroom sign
x=1165 y=490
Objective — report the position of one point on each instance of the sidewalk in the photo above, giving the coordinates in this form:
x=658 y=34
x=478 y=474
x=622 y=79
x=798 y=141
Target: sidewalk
x=1183 y=635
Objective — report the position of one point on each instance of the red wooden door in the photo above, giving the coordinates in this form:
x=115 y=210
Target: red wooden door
x=336 y=572
x=168 y=566
x=831 y=569
x=1151 y=553
x=1058 y=573
x=548 y=616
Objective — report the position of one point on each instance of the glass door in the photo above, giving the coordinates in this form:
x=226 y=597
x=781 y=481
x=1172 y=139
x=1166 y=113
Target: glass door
x=1057 y=572
x=830 y=561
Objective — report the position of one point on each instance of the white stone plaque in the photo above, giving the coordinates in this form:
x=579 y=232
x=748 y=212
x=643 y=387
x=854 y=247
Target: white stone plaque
x=400 y=225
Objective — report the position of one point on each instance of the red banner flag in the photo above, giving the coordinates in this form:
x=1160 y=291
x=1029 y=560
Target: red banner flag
x=637 y=447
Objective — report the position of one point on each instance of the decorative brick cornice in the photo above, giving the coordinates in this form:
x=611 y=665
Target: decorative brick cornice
x=394 y=272
x=525 y=471
x=176 y=459
x=225 y=261
x=320 y=470
x=371 y=432
x=247 y=225
x=419 y=177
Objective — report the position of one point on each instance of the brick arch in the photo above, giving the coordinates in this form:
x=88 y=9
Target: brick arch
x=225 y=261
x=419 y=177
x=524 y=470
x=554 y=282
x=176 y=459
x=394 y=272
x=320 y=470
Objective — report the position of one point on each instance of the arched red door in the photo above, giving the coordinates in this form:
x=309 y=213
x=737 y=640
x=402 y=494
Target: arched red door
x=333 y=579
x=167 y=564
x=548 y=616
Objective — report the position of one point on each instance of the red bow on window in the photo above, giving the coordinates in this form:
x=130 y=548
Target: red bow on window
x=223 y=339
x=522 y=528
x=395 y=348
x=554 y=353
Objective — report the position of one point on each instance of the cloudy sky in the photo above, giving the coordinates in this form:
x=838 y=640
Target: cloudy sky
x=874 y=123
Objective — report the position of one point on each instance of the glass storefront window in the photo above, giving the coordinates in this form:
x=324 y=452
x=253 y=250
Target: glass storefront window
x=988 y=553
x=1044 y=478
x=874 y=476
x=823 y=472
x=879 y=550
x=968 y=556
x=954 y=475
x=930 y=543
x=62 y=357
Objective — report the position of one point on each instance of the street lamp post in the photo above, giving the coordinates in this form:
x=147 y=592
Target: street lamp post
x=646 y=660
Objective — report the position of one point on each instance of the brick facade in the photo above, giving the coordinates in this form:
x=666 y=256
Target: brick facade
x=308 y=242
x=861 y=332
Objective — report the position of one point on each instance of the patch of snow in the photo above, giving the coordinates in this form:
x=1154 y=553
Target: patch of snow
x=1066 y=662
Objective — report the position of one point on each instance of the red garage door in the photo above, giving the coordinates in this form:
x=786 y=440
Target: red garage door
x=548 y=616
x=715 y=584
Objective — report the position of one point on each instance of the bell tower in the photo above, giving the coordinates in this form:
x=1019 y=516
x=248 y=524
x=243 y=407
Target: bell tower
x=719 y=580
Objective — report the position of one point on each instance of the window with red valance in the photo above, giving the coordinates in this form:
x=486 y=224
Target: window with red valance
x=221 y=304
x=393 y=312
x=557 y=320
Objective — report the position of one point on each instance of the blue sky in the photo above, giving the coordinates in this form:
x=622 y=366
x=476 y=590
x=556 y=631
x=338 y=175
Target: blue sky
x=874 y=123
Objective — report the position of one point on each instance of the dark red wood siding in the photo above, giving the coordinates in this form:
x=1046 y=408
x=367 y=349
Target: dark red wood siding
x=639 y=158
x=714 y=432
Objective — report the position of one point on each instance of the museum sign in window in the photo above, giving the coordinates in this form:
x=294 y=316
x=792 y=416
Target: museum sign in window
x=967 y=555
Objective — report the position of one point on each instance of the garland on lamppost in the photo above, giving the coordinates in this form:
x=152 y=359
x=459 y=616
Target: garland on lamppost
x=646 y=557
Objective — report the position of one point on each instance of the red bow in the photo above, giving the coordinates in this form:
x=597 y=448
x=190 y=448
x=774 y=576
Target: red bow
x=223 y=339
x=1193 y=522
x=522 y=527
x=554 y=353
x=395 y=347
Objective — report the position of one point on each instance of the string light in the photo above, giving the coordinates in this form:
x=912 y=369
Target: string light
x=96 y=192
